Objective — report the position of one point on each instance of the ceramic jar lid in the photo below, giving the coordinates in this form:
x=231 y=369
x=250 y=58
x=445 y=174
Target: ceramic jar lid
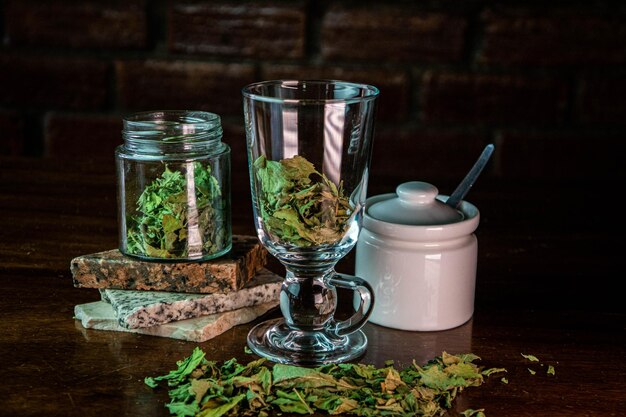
x=415 y=204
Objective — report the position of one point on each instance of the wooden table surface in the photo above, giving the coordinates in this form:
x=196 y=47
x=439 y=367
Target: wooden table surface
x=550 y=261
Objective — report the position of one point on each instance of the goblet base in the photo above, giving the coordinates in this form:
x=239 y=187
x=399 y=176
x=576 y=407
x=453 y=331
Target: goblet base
x=274 y=340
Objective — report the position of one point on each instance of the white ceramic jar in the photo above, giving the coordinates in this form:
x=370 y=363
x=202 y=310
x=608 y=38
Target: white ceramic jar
x=420 y=257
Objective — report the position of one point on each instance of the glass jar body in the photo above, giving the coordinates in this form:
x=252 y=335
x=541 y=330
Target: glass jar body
x=173 y=177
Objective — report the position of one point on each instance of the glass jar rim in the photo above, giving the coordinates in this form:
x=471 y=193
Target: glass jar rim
x=354 y=92
x=172 y=132
x=177 y=122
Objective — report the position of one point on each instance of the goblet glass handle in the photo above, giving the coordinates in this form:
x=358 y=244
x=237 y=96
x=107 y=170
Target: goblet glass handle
x=364 y=308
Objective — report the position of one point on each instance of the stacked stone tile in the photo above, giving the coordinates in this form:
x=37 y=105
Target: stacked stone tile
x=192 y=301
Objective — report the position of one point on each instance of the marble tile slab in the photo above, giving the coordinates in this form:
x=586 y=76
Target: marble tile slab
x=100 y=315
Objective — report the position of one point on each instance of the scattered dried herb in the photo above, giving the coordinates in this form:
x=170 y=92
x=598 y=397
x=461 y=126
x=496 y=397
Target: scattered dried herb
x=203 y=388
x=531 y=358
x=165 y=214
x=298 y=204
x=490 y=371
x=504 y=380
x=474 y=413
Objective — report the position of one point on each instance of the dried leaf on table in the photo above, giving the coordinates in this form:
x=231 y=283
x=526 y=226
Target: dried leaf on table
x=230 y=388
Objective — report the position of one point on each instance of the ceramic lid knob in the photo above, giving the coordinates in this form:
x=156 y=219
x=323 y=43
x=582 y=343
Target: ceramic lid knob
x=416 y=192
x=416 y=204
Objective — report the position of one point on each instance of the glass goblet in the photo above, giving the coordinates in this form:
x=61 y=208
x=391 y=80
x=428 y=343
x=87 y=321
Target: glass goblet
x=309 y=145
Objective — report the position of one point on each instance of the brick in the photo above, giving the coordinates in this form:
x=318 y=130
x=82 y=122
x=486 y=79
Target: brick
x=438 y=156
x=525 y=36
x=560 y=155
x=89 y=136
x=11 y=133
x=602 y=101
x=84 y=24
x=230 y=28
x=52 y=82
x=481 y=99
x=157 y=85
x=235 y=137
x=241 y=210
x=395 y=93
x=391 y=33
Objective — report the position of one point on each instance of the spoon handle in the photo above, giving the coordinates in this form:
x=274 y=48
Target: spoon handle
x=461 y=190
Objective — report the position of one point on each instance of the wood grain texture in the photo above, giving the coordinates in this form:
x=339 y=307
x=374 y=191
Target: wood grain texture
x=546 y=285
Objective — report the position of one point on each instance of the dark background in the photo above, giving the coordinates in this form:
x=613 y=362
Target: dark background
x=546 y=84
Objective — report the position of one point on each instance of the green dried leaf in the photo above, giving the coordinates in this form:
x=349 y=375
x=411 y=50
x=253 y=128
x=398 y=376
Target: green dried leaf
x=504 y=380
x=298 y=168
x=181 y=409
x=474 y=413
x=490 y=371
x=231 y=389
x=299 y=205
x=434 y=377
x=287 y=376
x=551 y=370
x=448 y=359
x=531 y=371
x=185 y=367
x=336 y=404
x=291 y=402
x=531 y=358
x=392 y=381
x=165 y=209
x=199 y=387
x=181 y=393
x=464 y=370
x=222 y=409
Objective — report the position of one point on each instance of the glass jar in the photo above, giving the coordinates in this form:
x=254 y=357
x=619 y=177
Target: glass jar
x=173 y=178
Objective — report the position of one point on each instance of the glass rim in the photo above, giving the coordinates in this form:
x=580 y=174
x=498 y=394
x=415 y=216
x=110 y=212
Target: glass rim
x=183 y=120
x=371 y=91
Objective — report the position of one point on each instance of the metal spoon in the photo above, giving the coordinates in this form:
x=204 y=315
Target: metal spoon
x=461 y=190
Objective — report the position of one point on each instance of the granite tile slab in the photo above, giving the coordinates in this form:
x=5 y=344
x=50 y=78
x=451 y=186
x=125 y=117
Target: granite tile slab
x=140 y=309
x=111 y=269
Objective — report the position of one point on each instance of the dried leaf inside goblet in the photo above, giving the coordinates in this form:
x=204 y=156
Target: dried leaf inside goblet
x=300 y=205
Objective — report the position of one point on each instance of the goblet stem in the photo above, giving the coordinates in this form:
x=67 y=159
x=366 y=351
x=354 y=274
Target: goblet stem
x=308 y=334
x=307 y=302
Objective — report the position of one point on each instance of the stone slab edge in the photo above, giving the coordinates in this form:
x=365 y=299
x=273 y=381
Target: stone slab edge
x=100 y=315
x=112 y=269
x=136 y=309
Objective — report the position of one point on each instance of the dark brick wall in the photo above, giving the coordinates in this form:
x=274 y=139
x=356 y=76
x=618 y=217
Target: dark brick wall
x=544 y=81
